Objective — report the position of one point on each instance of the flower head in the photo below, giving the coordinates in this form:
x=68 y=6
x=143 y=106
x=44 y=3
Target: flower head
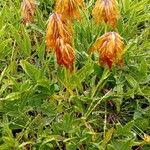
x=65 y=54
x=146 y=138
x=59 y=38
x=58 y=27
x=28 y=9
x=69 y=8
x=110 y=47
x=106 y=11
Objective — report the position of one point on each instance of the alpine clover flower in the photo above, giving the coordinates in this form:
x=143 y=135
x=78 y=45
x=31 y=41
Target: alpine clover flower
x=65 y=54
x=69 y=8
x=58 y=27
x=59 y=38
x=106 y=11
x=110 y=47
x=28 y=8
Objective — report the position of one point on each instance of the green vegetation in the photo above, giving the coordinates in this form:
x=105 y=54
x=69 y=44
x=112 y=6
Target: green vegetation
x=44 y=107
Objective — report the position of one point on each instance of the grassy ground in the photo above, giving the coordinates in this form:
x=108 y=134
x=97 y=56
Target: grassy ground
x=43 y=107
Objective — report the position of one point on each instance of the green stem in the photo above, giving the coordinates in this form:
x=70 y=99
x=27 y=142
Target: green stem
x=100 y=83
x=105 y=120
x=92 y=108
x=105 y=29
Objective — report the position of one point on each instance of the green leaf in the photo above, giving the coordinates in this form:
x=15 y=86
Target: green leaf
x=122 y=144
x=124 y=130
x=108 y=137
x=24 y=42
x=30 y=70
x=4 y=49
x=85 y=71
x=143 y=67
x=133 y=83
x=12 y=96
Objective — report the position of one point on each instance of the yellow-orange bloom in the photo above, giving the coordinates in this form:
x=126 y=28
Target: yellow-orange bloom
x=28 y=8
x=146 y=138
x=58 y=27
x=69 y=8
x=106 y=11
x=65 y=54
x=110 y=47
x=59 y=38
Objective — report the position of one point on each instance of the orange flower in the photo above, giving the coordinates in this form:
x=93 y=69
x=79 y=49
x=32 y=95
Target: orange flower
x=28 y=9
x=107 y=11
x=110 y=47
x=65 y=54
x=58 y=27
x=69 y=8
x=59 y=37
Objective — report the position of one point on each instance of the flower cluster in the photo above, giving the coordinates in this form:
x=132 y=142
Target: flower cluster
x=69 y=8
x=59 y=31
x=58 y=27
x=110 y=45
x=64 y=54
x=28 y=8
x=106 y=11
x=59 y=36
